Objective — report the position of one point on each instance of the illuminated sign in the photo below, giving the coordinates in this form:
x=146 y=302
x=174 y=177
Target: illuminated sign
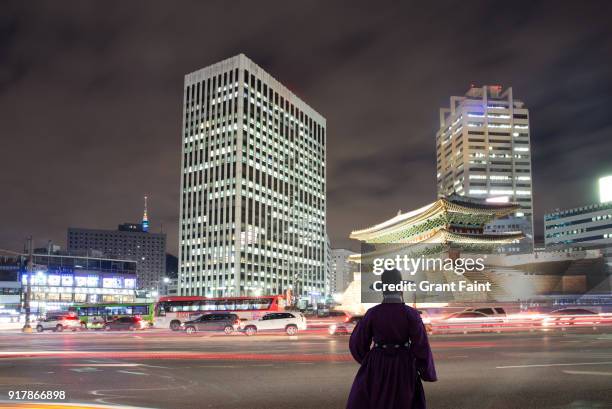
x=111 y=282
x=67 y=280
x=129 y=283
x=605 y=189
x=81 y=281
x=40 y=278
x=54 y=280
x=92 y=281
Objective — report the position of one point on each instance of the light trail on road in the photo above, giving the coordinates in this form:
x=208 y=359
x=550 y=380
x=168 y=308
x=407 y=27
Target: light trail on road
x=219 y=356
x=533 y=370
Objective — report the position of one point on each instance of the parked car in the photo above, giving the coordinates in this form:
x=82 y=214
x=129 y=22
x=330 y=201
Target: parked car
x=58 y=323
x=335 y=315
x=96 y=323
x=350 y=322
x=467 y=321
x=571 y=316
x=345 y=327
x=225 y=322
x=323 y=312
x=290 y=322
x=490 y=311
x=331 y=317
x=125 y=323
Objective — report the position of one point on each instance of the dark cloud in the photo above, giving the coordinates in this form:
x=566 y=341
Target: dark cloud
x=90 y=98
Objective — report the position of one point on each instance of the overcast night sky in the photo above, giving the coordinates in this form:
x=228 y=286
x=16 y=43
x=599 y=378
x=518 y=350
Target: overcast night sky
x=91 y=99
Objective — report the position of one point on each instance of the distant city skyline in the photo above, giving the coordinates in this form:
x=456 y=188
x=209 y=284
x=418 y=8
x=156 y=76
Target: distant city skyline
x=107 y=124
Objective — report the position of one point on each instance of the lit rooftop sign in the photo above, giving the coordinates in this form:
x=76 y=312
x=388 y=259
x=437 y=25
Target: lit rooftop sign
x=498 y=199
x=605 y=189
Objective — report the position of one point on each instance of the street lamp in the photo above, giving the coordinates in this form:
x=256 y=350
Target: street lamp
x=164 y=289
x=30 y=268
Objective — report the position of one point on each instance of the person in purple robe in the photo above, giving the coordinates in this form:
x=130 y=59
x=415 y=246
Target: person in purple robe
x=390 y=343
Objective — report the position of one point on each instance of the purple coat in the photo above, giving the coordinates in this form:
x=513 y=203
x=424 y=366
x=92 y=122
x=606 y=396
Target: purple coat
x=390 y=378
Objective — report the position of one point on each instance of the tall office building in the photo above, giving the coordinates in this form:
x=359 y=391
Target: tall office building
x=252 y=187
x=341 y=270
x=484 y=151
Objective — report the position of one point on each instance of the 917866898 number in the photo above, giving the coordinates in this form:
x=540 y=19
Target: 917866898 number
x=36 y=395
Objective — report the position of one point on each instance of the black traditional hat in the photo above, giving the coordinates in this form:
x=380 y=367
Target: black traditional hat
x=391 y=277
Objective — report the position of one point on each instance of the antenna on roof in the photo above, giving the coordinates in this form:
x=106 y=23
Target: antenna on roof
x=145 y=219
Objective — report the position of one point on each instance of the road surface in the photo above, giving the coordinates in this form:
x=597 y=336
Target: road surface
x=159 y=369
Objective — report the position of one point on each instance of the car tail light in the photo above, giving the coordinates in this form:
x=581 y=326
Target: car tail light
x=237 y=322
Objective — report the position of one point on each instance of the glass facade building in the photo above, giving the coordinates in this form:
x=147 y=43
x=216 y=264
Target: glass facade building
x=59 y=281
x=580 y=228
x=253 y=205
x=483 y=151
x=586 y=225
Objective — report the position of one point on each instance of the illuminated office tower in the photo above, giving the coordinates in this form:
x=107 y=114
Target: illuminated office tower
x=252 y=187
x=341 y=270
x=483 y=151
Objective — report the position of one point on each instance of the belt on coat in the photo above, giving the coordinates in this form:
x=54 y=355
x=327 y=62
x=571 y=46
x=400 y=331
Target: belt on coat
x=392 y=346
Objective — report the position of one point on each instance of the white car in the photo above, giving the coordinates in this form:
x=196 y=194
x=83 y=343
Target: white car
x=290 y=322
x=58 y=323
x=497 y=312
x=468 y=321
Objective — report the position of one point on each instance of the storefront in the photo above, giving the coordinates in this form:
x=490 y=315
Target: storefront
x=59 y=281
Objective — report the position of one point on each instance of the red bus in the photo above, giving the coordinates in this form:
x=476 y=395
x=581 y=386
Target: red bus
x=171 y=311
